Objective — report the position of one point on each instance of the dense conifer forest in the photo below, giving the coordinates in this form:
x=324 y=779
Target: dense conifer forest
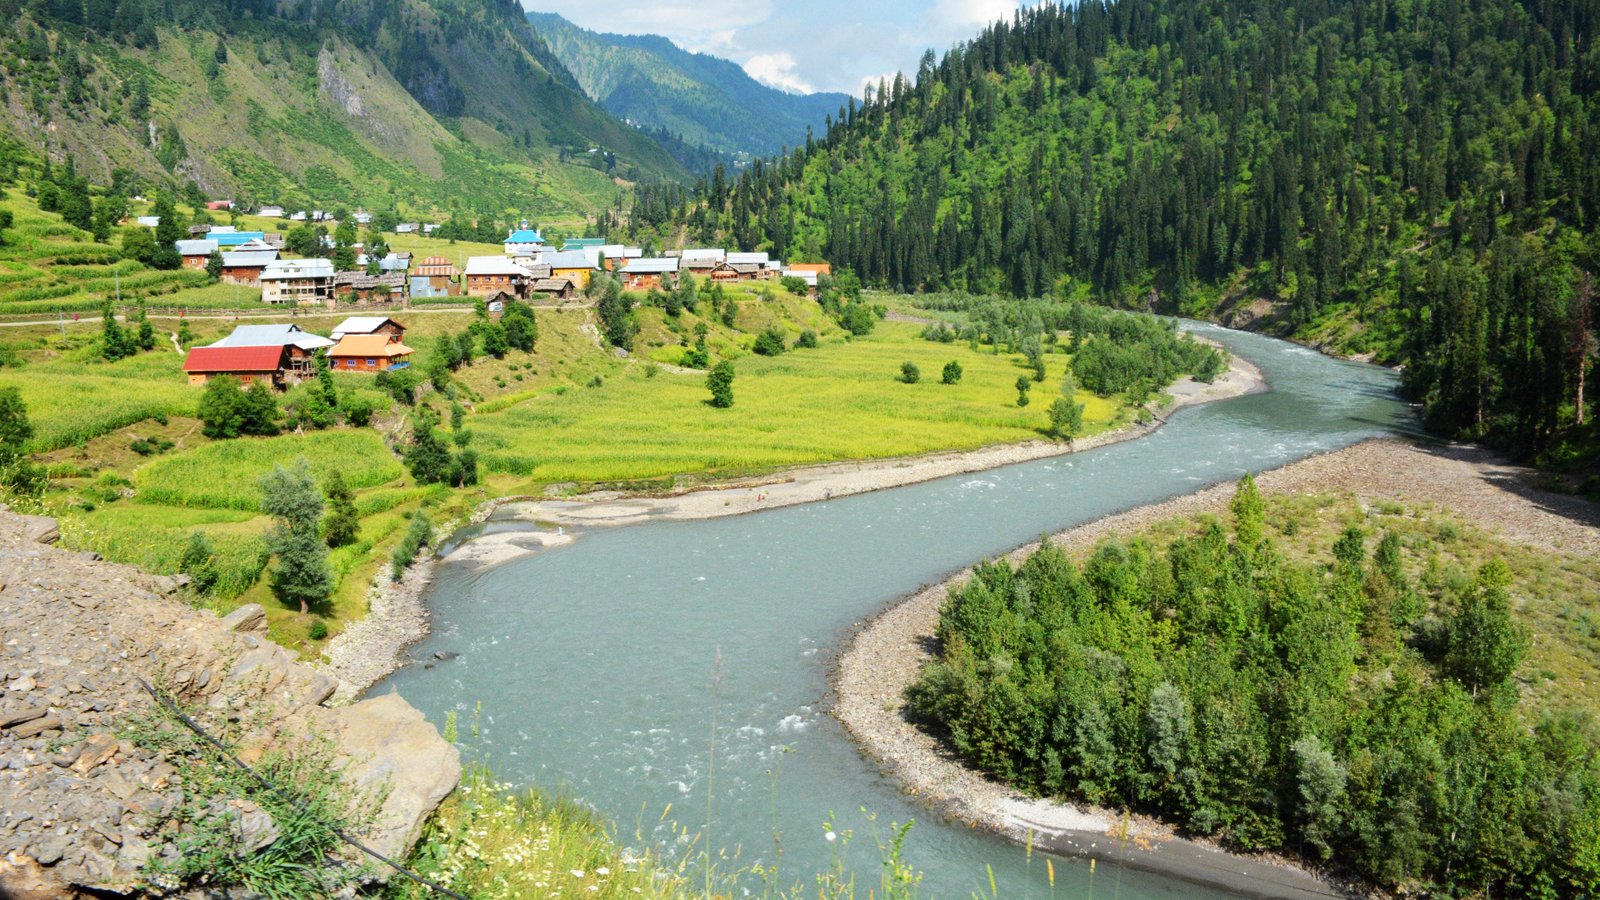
x=1410 y=179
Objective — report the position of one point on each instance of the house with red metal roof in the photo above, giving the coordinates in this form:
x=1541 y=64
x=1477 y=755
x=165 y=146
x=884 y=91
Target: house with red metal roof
x=248 y=364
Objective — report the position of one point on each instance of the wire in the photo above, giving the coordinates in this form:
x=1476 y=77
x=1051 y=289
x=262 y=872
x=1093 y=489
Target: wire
x=281 y=795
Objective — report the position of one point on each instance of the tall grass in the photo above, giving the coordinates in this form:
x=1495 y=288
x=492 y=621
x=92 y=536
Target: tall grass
x=223 y=475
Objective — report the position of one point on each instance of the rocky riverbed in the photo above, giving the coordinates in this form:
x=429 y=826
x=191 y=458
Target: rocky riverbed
x=885 y=657
x=82 y=806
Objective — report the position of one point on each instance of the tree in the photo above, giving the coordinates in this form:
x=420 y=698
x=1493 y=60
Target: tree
x=496 y=342
x=1321 y=782
x=795 y=285
x=114 y=341
x=1249 y=512
x=1483 y=646
x=147 y=333
x=214 y=265
x=341 y=526
x=770 y=342
x=259 y=413
x=185 y=336
x=719 y=381
x=1066 y=418
x=139 y=243
x=522 y=329
x=199 y=563
x=357 y=410
x=952 y=372
x=220 y=408
x=616 y=314
x=1024 y=384
x=909 y=373
x=168 y=232
x=806 y=341
x=428 y=459
x=301 y=575
x=16 y=473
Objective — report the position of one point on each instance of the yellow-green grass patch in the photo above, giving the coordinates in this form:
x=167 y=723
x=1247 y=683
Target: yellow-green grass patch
x=224 y=475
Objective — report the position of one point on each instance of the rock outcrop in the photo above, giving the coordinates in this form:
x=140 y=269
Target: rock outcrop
x=81 y=805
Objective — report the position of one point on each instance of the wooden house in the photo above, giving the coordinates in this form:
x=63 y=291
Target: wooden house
x=369 y=288
x=650 y=272
x=196 y=253
x=369 y=325
x=576 y=265
x=300 y=347
x=488 y=275
x=369 y=353
x=436 y=277
x=555 y=288
x=244 y=267
x=248 y=364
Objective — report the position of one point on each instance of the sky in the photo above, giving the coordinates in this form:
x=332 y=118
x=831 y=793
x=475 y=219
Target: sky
x=821 y=45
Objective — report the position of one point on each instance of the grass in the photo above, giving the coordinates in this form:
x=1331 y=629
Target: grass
x=838 y=402
x=223 y=475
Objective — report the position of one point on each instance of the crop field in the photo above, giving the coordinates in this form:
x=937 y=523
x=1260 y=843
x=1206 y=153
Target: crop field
x=77 y=397
x=223 y=475
x=840 y=401
x=154 y=537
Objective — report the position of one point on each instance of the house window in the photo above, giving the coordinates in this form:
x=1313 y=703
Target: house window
x=371 y=363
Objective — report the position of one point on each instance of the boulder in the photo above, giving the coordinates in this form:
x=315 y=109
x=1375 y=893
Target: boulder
x=249 y=617
x=386 y=742
x=40 y=529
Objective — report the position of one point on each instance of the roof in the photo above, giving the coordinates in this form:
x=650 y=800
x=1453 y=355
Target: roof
x=745 y=268
x=569 y=259
x=818 y=268
x=437 y=265
x=700 y=262
x=364 y=325
x=224 y=229
x=298 y=268
x=524 y=236
x=370 y=345
x=196 y=248
x=494 y=265
x=276 y=335
x=254 y=244
x=745 y=259
x=716 y=253
x=552 y=285
x=199 y=229
x=235 y=238
x=651 y=265
x=249 y=259
x=234 y=359
x=581 y=243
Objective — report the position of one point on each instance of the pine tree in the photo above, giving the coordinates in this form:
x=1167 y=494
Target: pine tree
x=301 y=574
x=341 y=526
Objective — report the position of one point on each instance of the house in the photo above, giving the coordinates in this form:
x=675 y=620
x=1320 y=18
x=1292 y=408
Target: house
x=806 y=275
x=406 y=228
x=270 y=212
x=555 y=288
x=762 y=259
x=436 y=277
x=318 y=215
x=369 y=353
x=487 y=275
x=248 y=364
x=430 y=227
x=224 y=229
x=276 y=335
x=735 y=272
x=700 y=265
x=149 y=221
x=582 y=243
x=613 y=256
x=363 y=217
x=813 y=268
x=198 y=231
x=298 y=217
x=196 y=253
x=300 y=347
x=716 y=254
x=297 y=281
x=219 y=204
x=369 y=325
x=370 y=288
x=650 y=272
x=231 y=239
x=523 y=242
x=272 y=239
x=577 y=265
x=395 y=263
x=245 y=266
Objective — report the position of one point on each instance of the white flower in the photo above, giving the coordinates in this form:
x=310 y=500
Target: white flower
x=577 y=873
x=830 y=837
x=602 y=871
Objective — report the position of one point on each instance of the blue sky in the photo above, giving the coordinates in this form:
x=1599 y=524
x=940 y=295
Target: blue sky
x=828 y=45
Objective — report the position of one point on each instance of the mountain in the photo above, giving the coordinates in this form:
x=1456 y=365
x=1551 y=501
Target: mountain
x=416 y=104
x=1415 y=182
x=648 y=80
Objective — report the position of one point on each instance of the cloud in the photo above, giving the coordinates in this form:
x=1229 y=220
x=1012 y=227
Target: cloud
x=972 y=13
x=779 y=70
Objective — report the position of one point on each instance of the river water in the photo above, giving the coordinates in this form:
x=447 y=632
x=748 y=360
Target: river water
x=604 y=668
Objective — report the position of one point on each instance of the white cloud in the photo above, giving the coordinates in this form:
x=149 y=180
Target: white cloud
x=972 y=13
x=779 y=70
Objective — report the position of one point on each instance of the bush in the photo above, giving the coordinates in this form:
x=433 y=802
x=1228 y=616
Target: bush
x=807 y=340
x=952 y=372
x=770 y=342
x=795 y=285
x=720 y=383
x=319 y=630
x=418 y=535
x=909 y=373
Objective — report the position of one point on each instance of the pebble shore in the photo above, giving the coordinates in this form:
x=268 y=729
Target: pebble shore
x=886 y=655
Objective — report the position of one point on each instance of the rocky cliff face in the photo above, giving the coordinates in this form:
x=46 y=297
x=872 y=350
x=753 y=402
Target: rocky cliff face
x=82 y=807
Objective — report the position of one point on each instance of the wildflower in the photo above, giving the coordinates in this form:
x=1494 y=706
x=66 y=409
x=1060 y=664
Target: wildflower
x=830 y=837
x=602 y=871
x=577 y=873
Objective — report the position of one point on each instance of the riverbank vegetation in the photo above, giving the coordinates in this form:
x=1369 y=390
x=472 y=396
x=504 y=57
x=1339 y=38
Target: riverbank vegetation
x=1378 y=687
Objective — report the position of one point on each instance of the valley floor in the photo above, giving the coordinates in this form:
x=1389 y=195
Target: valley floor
x=885 y=657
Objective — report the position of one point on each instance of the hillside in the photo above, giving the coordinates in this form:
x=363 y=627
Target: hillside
x=711 y=102
x=1405 y=182
x=425 y=105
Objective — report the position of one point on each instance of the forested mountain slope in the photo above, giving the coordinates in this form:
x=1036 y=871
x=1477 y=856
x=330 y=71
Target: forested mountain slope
x=424 y=104
x=1411 y=179
x=650 y=81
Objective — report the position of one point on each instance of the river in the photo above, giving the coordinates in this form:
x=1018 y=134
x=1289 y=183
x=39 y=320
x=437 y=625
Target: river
x=605 y=667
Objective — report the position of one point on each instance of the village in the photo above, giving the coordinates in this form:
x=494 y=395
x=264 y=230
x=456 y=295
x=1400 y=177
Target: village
x=529 y=270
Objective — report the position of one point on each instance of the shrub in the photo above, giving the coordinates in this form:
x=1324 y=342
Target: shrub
x=807 y=340
x=418 y=535
x=319 y=630
x=952 y=372
x=909 y=373
x=770 y=342
x=720 y=383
